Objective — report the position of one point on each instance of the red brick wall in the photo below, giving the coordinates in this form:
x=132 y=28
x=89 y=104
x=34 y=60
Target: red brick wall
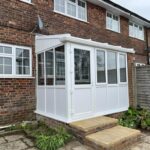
x=17 y=96
x=18 y=19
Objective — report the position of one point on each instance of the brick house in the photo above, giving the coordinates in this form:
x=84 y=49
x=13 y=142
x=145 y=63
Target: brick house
x=83 y=55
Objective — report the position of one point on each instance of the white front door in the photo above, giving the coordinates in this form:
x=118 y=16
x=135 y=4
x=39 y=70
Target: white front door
x=83 y=68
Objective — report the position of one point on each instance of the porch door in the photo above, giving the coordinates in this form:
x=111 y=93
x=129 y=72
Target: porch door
x=82 y=93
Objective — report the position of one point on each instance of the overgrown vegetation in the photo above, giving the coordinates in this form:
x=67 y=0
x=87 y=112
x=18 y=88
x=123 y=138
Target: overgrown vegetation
x=45 y=138
x=136 y=118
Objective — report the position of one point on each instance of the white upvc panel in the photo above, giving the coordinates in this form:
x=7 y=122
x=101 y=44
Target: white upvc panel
x=41 y=99
x=82 y=102
x=101 y=103
x=123 y=96
x=50 y=100
x=60 y=102
x=112 y=97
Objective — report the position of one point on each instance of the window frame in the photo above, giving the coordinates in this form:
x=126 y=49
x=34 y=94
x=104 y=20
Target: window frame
x=90 y=77
x=13 y=56
x=106 y=68
x=66 y=14
x=134 y=32
x=106 y=77
x=54 y=68
x=108 y=12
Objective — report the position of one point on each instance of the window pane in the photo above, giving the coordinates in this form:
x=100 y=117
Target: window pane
x=19 y=52
x=60 y=5
x=22 y=61
x=1 y=49
x=19 y=69
x=8 y=50
x=1 y=69
x=81 y=10
x=71 y=9
x=1 y=60
x=26 y=53
x=59 y=66
x=82 y=66
x=112 y=67
x=8 y=61
x=123 y=68
x=101 y=77
x=7 y=69
x=41 y=69
x=49 y=67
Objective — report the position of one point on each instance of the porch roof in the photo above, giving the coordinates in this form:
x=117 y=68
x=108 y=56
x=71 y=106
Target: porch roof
x=63 y=38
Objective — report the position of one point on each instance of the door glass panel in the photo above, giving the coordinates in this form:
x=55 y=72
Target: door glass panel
x=82 y=66
x=122 y=60
x=59 y=66
x=112 y=67
x=49 y=67
x=41 y=80
x=101 y=75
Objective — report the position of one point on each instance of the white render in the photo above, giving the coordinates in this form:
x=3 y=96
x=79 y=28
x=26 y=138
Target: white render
x=72 y=102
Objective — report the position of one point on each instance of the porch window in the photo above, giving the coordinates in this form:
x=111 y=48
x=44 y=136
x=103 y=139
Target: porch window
x=72 y=8
x=49 y=61
x=122 y=60
x=15 y=60
x=112 y=22
x=112 y=67
x=51 y=67
x=41 y=78
x=82 y=66
x=60 y=65
x=101 y=74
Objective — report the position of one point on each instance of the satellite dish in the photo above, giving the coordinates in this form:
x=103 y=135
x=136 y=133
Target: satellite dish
x=40 y=23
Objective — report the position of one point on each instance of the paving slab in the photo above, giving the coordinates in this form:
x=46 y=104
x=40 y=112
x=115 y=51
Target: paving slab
x=11 y=138
x=141 y=146
x=93 y=123
x=28 y=142
x=2 y=140
x=82 y=148
x=113 y=137
x=15 y=145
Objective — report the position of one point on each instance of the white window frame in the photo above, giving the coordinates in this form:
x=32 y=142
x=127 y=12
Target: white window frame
x=106 y=77
x=76 y=4
x=106 y=70
x=27 y=1
x=134 y=32
x=107 y=12
x=13 y=56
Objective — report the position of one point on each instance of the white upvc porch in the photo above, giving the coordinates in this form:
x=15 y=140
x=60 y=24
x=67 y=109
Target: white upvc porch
x=80 y=78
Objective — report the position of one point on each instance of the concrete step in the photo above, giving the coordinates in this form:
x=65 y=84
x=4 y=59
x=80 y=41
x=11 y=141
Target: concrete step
x=115 y=138
x=93 y=125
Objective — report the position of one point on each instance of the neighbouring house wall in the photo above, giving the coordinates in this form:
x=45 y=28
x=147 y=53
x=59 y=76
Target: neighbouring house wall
x=18 y=19
x=143 y=86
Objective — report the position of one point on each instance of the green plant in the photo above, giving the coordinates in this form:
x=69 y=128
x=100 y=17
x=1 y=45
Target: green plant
x=136 y=118
x=53 y=142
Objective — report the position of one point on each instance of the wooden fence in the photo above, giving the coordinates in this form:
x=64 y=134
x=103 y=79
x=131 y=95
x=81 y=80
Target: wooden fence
x=143 y=86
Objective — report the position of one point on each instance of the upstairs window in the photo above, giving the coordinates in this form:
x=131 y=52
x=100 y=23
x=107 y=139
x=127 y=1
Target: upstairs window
x=136 y=31
x=72 y=8
x=112 y=22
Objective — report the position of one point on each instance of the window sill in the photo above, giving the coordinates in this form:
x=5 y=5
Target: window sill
x=84 y=21
x=27 y=2
x=136 y=38
x=17 y=77
x=113 y=31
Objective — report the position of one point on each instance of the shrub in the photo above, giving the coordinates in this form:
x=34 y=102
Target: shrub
x=136 y=118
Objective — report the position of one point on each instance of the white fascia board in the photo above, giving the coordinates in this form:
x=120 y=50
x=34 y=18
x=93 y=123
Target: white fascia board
x=56 y=36
x=96 y=44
